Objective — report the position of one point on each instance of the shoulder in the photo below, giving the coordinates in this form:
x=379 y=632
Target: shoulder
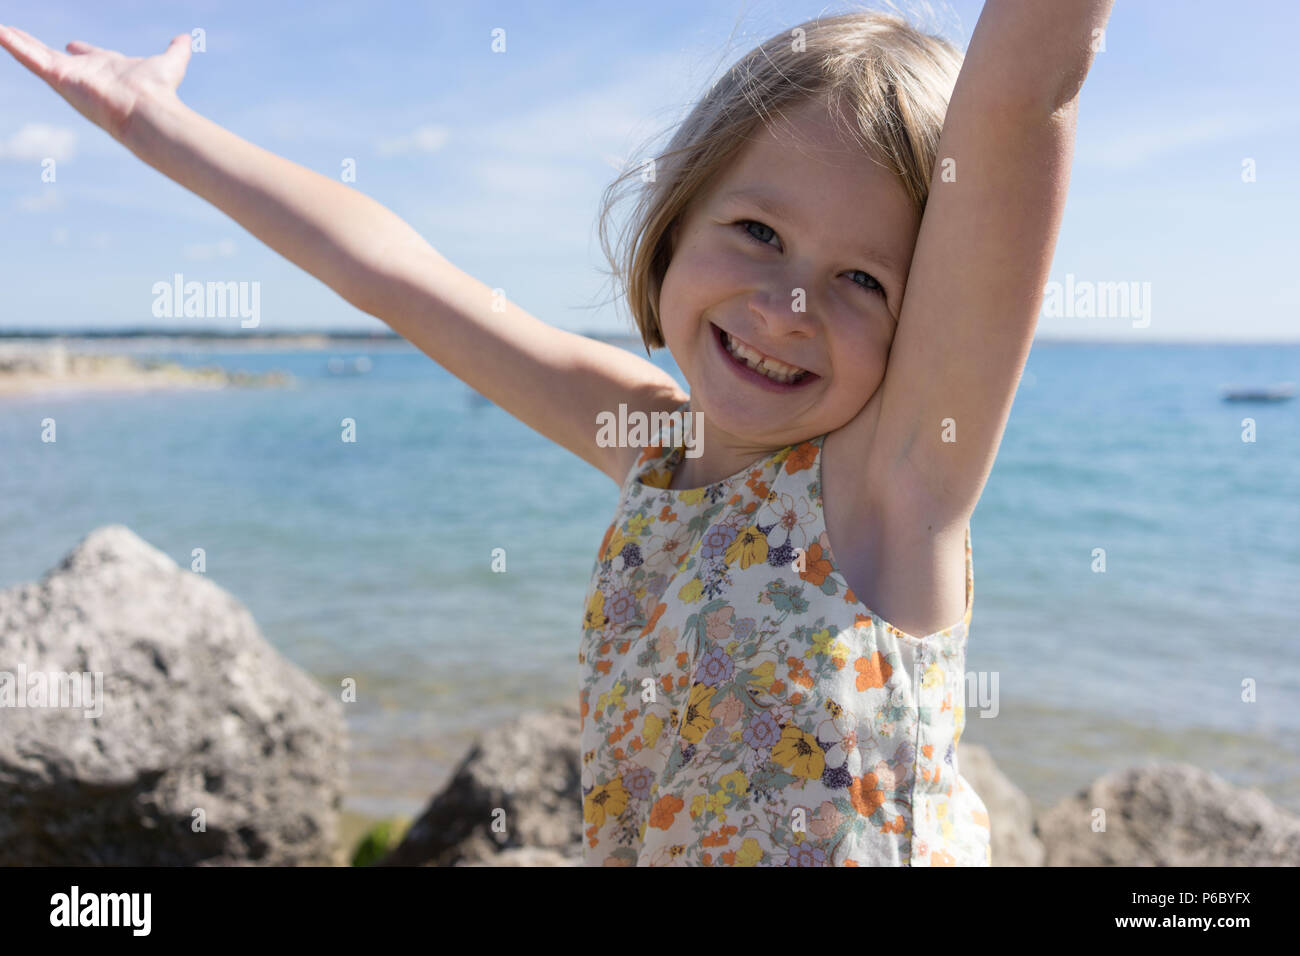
x=626 y=458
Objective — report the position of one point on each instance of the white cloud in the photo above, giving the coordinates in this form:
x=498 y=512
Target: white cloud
x=37 y=141
x=425 y=139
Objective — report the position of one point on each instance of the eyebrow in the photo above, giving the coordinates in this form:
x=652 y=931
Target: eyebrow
x=774 y=206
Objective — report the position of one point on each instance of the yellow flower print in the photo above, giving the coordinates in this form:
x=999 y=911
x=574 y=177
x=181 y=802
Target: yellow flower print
x=821 y=643
x=840 y=654
x=717 y=804
x=692 y=497
x=945 y=821
x=735 y=782
x=617 y=542
x=749 y=853
x=799 y=753
x=595 y=616
x=692 y=592
x=698 y=720
x=636 y=525
x=612 y=696
x=657 y=478
x=607 y=800
x=763 y=674
x=651 y=729
x=933 y=677
x=750 y=547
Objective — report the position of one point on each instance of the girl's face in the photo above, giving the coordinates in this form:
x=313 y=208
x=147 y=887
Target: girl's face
x=798 y=252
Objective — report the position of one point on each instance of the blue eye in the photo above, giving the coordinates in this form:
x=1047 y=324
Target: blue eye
x=874 y=285
x=746 y=223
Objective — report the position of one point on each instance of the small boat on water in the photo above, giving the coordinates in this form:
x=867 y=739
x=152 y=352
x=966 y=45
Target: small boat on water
x=1269 y=393
x=357 y=366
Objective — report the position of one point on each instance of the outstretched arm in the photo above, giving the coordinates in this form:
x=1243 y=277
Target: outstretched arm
x=985 y=245
x=554 y=381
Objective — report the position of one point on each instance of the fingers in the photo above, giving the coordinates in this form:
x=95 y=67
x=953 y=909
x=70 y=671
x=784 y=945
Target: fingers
x=179 y=48
x=78 y=47
x=28 y=51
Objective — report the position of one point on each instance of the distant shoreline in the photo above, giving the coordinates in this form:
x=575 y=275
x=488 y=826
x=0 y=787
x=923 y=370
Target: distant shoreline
x=307 y=338
x=235 y=341
x=38 y=367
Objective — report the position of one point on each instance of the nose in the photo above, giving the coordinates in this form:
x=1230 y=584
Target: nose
x=784 y=306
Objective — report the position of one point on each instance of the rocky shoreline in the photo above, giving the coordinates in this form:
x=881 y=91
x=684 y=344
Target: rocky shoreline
x=209 y=748
x=27 y=369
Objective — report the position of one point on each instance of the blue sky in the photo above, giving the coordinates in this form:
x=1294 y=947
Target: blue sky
x=499 y=159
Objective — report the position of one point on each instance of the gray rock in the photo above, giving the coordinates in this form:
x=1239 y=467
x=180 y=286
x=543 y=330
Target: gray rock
x=1011 y=815
x=528 y=768
x=198 y=713
x=1169 y=815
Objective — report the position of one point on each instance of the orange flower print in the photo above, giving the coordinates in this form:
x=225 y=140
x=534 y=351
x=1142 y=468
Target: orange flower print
x=865 y=794
x=818 y=565
x=872 y=671
x=665 y=808
x=650 y=452
x=654 y=618
x=719 y=837
x=604 y=542
x=801 y=458
x=799 y=673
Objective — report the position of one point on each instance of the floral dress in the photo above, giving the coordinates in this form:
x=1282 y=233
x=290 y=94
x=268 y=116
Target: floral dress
x=740 y=707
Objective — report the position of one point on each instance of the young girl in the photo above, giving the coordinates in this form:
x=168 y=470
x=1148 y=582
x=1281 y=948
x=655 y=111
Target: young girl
x=770 y=674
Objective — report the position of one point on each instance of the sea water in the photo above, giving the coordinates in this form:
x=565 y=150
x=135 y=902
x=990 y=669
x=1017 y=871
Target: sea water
x=373 y=559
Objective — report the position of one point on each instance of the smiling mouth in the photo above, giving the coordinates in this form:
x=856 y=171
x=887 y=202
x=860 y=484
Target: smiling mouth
x=778 y=372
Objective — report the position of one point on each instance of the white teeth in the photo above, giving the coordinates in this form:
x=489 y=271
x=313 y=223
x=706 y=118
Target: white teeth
x=776 y=371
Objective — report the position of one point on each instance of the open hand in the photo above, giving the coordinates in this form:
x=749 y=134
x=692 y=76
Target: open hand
x=104 y=86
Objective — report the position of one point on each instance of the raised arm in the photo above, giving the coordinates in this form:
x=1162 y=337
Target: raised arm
x=554 y=381
x=985 y=245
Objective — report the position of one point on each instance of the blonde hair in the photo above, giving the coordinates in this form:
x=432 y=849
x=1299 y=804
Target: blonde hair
x=886 y=83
